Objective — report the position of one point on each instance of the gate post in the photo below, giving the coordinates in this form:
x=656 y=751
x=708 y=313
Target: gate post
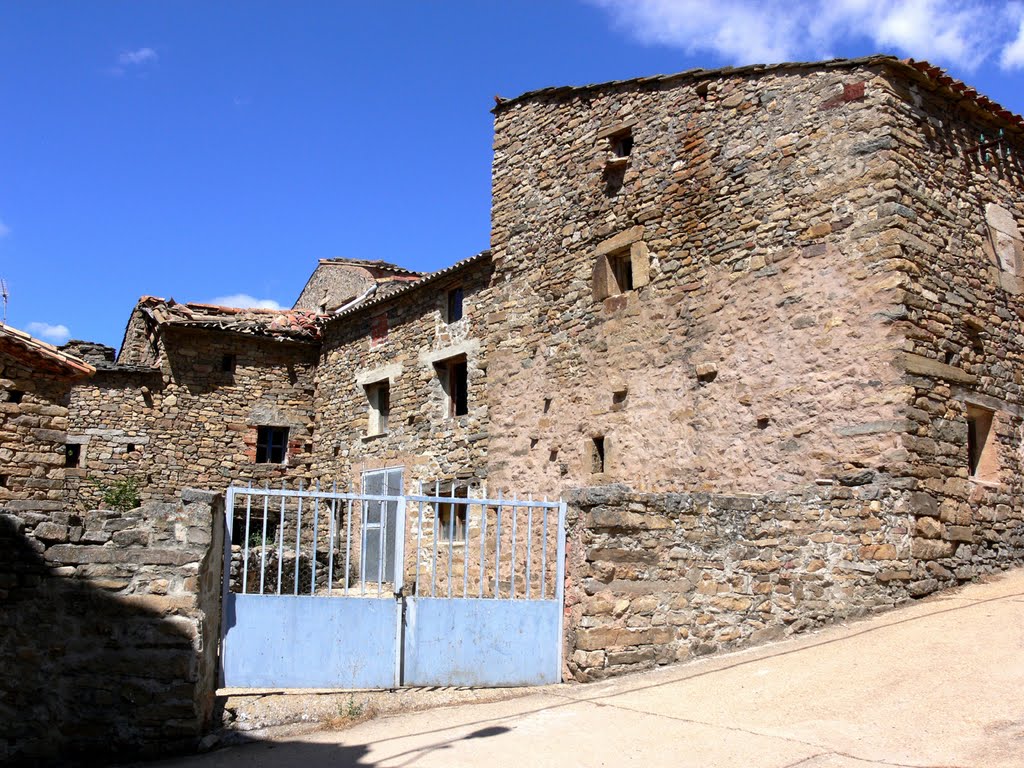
x=225 y=576
x=399 y=584
x=560 y=586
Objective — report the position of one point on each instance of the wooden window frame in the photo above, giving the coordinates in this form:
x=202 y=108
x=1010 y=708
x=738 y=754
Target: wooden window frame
x=271 y=444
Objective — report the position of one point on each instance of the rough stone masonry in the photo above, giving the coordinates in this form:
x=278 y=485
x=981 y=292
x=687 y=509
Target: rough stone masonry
x=762 y=327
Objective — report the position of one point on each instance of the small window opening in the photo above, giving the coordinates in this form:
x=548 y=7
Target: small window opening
x=15 y=396
x=130 y=447
x=72 y=455
x=3 y=481
x=452 y=516
x=619 y=397
x=228 y=363
x=621 y=267
x=379 y=396
x=271 y=445
x=622 y=144
x=547 y=404
x=981 y=444
x=597 y=456
x=455 y=380
x=454 y=313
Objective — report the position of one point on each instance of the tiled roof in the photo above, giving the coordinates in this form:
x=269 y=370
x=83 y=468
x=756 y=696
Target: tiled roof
x=407 y=287
x=293 y=324
x=371 y=264
x=40 y=355
x=922 y=70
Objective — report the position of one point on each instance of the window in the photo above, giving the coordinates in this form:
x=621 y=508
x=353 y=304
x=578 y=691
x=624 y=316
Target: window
x=622 y=143
x=72 y=455
x=981 y=444
x=454 y=375
x=454 y=313
x=452 y=516
x=227 y=363
x=379 y=396
x=620 y=265
x=597 y=456
x=271 y=445
x=15 y=396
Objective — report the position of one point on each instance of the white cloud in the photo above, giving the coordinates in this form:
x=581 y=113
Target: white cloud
x=4 y=230
x=244 y=300
x=137 y=59
x=957 y=33
x=57 y=334
x=138 y=56
x=1012 y=56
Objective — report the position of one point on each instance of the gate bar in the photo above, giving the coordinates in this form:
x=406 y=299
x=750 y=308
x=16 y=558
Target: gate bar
x=298 y=537
x=316 y=533
x=245 y=558
x=330 y=551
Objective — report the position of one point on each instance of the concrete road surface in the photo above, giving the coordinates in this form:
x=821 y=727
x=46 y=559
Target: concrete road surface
x=938 y=683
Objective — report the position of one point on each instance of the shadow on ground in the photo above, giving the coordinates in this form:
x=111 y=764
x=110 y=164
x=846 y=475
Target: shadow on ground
x=256 y=753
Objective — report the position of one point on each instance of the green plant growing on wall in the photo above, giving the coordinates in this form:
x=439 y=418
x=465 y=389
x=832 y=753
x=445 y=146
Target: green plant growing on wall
x=121 y=495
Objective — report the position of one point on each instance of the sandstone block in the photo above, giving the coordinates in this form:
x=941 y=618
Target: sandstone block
x=928 y=528
x=930 y=549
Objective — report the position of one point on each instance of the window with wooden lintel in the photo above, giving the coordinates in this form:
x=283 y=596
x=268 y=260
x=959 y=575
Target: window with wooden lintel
x=454 y=376
x=379 y=396
x=983 y=460
x=271 y=445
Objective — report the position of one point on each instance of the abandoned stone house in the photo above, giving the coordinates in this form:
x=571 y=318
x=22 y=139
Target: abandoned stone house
x=760 y=325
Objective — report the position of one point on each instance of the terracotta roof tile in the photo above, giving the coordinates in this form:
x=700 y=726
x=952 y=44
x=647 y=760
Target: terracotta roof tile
x=38 y=354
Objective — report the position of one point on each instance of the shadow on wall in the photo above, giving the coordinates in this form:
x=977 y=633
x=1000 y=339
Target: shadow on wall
x=88 y=676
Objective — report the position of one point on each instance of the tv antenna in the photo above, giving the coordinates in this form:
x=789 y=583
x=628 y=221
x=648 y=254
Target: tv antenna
x=5 y=295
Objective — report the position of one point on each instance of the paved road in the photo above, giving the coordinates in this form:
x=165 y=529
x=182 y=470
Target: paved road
x=938 y=683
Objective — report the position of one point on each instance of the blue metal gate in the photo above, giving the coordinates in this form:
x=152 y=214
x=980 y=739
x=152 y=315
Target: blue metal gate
x=378 y=590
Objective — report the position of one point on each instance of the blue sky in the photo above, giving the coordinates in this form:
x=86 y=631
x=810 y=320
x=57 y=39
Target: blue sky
x=202 y=150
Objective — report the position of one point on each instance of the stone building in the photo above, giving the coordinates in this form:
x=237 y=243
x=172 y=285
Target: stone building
x=761 y=326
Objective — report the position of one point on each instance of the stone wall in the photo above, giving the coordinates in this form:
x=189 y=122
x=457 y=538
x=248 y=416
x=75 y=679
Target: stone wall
x=33 y=420
x=110 y=629
x=658 y=578
x=412 y=338
x=754 y=351
x=190 y=423
x=959 y=213
x=332 y=284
